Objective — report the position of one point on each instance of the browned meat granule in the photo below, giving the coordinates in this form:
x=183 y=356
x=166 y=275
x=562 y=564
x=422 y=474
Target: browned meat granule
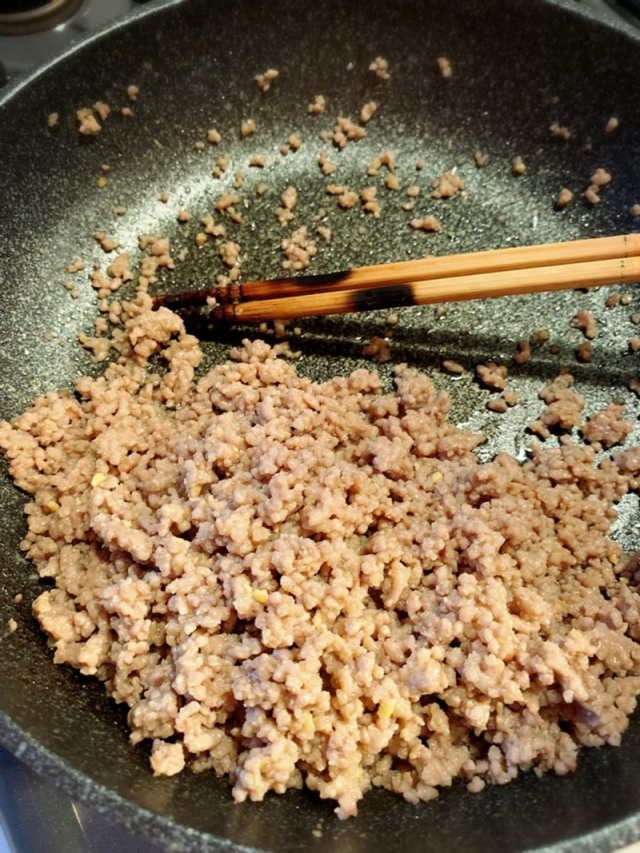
x=230 y=252
x=625 y=299
x=265 y=80
x=634 y=210
x=107 y=244
x=213 y=136
x=517 y=166
x=447 y=185
x=413 y=191
x=634 y=385
x=564 y=198
x=420 y=165
x=585 y=321
x=212 y=227
x=325 y=232
x=381 y=68
x=392 y=320
x=634 y=344
x=497 y=404
x=524 y=352
x=299 y=250
x=392 y=183
x=127 y=112
x=76 y=266
x=344 y=129
x=560 y=132
x=510 y=397
x=52 y=119
x=453 y=367
x=87 y=123
x=445 y=67
x=408 y=205
x=183 y=216
x=102 y=109
x=369 y=203
x=387 y=159
x=592 y=194
x=163 y=197
x=293 y=582
x=584 y=352
x=564 y=406
x=601 y=178
x=611 y=125
x=347 y=199
x=607 y=428
x=199 y=145
x=200 y=239
x=612 y=300
x=493 y=375
x=289 y=200
x=377 y=349
x=481 y=159
x=247 y=127
x=429 y=223
x=318 y=106
x=367 y=112
x=132 y=92
x=323 y=161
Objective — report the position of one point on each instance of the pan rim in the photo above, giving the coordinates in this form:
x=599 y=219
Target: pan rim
x=159 y=828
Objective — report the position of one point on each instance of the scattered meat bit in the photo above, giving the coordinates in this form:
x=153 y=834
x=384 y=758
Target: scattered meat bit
x=369 y=203
x=381 y=68
x=317 y=106
x=592 y=194
x=12 y=626
x=420 y=165
x=336 y=189
x=76 y=266
x=493 y=375
x=261 y=188
x=238 y=180
x=127 y=112
x=611 y=125
x=409 y=205
x=132 y=92
x=229 y=252
x=259 y=160
x=518 y=166
x=612 y=300
x=453 y=367
x=413 y=191
x=324 y=231
x=625 y=299
x=299 y=250
x=481 y=159
x=367 y=112
x=634 y=210
x=222 y=164
x=634 y=385
x=183 y=216
x=510 y=397
x=585 y=321
x=102 y=109
x=344 y=129
x=347 y=199
x=524 y=352
x=541 y=335
x=559 y=132
x=564 y=197
x=635 y=318
x=606 y=427
x=200 y=239
x=17 y=599
x=226 y=201
x=108 y=244
x=199 y=145
x=88 y=123
x=584 y=352
x=378 y=350
x=392 y=182
x=52 y=119
x=323 y=161
x=265 y=80
x=564 y=406
x=392 y=320
x=164 y=198
x=212 y=227
x=294 y=141
x=105 y=167
x=634 y=344
x=429 y=223
x=445 y=67
x=289 y=199
x=213 y=136
x=447 y=185
x=601 y=177
x=247 y=127
x=387 y=159
x=497 y=404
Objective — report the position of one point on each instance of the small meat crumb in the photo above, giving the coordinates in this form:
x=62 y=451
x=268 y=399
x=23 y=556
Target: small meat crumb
x=497 y=404
x=344 y=129
x=517 y=166
x=12 y=626
x=606 y=427
x=493 y=375
x=213 y=136
x=413 y=191
x=445 y=67
x=564 y=406
x=229 y=253
x=127 y=112
x=183 y=216
x=87 y=122
x=102 y=109
x=625 y=299
x=447 y=185
x=634 y=210
x=265 y=80
x=584 y=352
x=392 y=182
x=317 y=106
x=453 y=367
x=247 y=127
x=387 y=159
x=167 y=759
x=634 y=344
x=392 y=320
x=429 y=223
x=259 y=160
x=108 y=244
x=132 y=92
x=289 y=199
x=299 y=250
x=611 y=125
x=163 y=197
x=323 y=161
x=17 y=599
x=52 y=119
x=585 y=321
x=560 y=132
x=634 y=385
x=564 y=197
x=380 y=67
x=420 y=165
x=612 y=300
x=325 y=232
x=367 y=112
x=369 y=203
x=76 y=266
x=481 y=159
x=524 y=352
x=200 y=239
x=378 y=350
x=347 y=199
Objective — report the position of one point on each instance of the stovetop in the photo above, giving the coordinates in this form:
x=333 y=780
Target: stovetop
x=35 y=815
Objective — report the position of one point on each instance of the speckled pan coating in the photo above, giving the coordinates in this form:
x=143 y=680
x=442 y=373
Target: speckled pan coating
x=194 y=62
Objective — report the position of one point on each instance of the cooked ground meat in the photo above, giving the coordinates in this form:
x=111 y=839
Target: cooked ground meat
x=368 y=111
x=564 y=406
x=481 y=159
x=585 y=351
x=247 y=127
x=52 y=119
x=453 y=367
x=317 y=106
x=87 y=122
x=606 y=427
x=585 y=321
x=381 y=68
x=564 y=197
x=518 y=167
x=297 y=582
x=299 y=250
x=448 y=185
x=445 y=67
x=611 y=125
x=265 y=80
x=524 y=352
x=560 y=132
x=429 y=223
x=493 y=375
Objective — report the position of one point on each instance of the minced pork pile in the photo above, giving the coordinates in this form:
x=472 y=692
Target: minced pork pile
x=299 y=583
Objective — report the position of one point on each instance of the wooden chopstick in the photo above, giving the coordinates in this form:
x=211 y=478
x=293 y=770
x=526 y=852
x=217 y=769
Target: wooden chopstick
x=416 y=271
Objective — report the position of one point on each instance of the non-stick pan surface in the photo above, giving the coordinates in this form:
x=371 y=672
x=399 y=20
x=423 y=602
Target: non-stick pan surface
x=519 y=66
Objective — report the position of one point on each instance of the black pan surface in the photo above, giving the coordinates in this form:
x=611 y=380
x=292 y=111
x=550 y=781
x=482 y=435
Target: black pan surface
x=519 y=66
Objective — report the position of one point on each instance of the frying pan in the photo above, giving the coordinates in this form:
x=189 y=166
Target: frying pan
x=519 y=66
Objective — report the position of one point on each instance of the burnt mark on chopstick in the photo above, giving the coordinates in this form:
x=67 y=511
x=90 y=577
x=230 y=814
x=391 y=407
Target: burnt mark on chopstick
x=372 y=299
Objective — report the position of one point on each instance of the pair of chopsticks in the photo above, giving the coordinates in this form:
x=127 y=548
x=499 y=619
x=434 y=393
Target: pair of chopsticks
x=450 y=278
